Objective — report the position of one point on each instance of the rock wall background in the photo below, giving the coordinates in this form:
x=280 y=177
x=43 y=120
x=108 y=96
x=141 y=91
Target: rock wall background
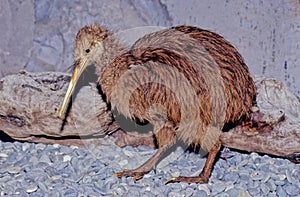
x=38 y=35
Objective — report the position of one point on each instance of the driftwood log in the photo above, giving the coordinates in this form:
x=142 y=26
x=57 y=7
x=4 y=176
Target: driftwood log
x=29 y=104
x=281 y=109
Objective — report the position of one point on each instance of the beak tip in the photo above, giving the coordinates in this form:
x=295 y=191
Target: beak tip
x=61 y=114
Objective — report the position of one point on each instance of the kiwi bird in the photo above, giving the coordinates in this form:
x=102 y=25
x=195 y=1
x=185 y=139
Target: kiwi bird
x=186 y=81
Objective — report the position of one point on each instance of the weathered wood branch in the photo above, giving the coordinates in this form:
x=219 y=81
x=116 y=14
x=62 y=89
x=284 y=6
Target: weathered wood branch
x=29 y=104
x=274 y=142
x=276 y=101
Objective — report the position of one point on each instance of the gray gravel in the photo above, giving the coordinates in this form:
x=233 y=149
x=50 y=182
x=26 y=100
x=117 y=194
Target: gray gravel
x=28 y=169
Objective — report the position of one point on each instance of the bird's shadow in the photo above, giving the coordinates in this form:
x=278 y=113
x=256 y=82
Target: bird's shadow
x=85 y=79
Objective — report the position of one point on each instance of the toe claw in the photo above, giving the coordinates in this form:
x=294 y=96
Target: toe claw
x=198 y=179
x=117 y=174
x=123 y=173
x=126 y=173
x=137 y=177
x=170 y=180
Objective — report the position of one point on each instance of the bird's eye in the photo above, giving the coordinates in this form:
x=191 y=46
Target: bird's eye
x=87 y=50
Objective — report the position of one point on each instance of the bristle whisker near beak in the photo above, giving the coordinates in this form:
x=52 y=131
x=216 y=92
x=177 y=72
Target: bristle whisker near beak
x=71 y=67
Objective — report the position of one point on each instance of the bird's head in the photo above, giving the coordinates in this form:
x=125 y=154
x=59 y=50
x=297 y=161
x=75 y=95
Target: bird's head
x=89 y=45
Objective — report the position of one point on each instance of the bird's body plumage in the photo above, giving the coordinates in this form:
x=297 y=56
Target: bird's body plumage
x=186 y=81
x=167 y=48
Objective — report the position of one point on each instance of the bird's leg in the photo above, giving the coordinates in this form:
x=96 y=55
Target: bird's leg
x=206 y=171
x=165 y=138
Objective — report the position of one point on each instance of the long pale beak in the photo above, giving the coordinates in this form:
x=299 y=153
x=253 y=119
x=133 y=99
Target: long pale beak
x=80 y=66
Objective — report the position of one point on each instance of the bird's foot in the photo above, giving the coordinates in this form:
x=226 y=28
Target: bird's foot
x=206 y=171
x=131 y=173
x=196 y=179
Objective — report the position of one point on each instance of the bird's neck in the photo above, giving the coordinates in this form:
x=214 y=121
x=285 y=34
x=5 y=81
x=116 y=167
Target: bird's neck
x=112 y=49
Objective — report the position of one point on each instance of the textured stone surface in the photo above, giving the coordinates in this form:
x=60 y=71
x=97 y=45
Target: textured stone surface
x=57 y=23
x=38 y=35
x=16 y=35
x=40 y=170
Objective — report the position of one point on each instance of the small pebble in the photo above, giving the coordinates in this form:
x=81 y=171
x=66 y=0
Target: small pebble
x=204 y=188
x=42 y=186
x=281 y=192
x=292 y=190
x=271 y=185
x=86 y=179
x=3 y=155
x=25 y=146
x=222 y=195
x=14 y=170
x=264 y=188
x=56 y=177
x=232 y=192
x=173 y=194
x=67 y=158
x=45 y=158
x=32 y=188
x=229 y=185
x=243 y=163
x=279 y=182
x=73 y=147
x=231 y=176
x=56 y=145
x=296 y=174
x=175 y=174
x=244 y=175
x=123 y=163
x=282 y=177
x=266 y=178
x=243 y=193
x=271 y=161
x=258 y=176
x=129 y=152
x=201 y=193
x=218 y=188
x=144 y=148
x=189 y=192
x=288 y=175
x=254 y=191
x=40 y=146
x=133 y=193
